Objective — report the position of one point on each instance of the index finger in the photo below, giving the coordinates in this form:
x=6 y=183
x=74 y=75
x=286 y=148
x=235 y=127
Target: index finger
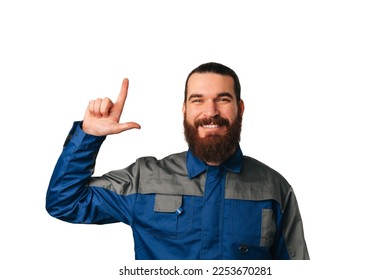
x=116 y=111
x=123 y=93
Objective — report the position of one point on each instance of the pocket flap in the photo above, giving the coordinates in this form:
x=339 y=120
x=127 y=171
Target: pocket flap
x=167 y=203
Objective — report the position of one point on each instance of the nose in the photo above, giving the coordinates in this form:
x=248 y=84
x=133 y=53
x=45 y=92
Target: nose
x=210 y=109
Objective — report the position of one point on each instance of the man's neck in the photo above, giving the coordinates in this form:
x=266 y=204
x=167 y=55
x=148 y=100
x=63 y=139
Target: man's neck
x=218 y=163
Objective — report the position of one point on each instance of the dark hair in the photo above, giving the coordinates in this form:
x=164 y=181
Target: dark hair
x=217 y=68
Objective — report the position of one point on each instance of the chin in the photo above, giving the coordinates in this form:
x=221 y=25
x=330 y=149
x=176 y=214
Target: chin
x=211 y=134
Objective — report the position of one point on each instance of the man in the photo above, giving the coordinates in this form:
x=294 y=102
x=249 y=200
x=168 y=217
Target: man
x=210 y=202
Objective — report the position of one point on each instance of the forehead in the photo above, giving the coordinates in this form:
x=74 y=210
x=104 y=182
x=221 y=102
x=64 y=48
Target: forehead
x=210 y=83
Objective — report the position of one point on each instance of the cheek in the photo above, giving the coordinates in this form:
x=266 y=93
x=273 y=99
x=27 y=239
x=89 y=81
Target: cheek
x=188 y=118
x=191 y=115
x=229 y=115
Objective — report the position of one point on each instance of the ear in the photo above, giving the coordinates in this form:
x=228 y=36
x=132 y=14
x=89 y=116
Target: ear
x=241 y=107
x=184 y=109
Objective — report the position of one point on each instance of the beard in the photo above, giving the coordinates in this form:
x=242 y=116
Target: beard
x=213 y=148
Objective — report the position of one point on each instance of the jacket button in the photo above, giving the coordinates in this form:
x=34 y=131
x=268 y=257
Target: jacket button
x=243 y=248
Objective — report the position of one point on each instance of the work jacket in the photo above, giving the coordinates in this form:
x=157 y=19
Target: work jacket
x=251 y=212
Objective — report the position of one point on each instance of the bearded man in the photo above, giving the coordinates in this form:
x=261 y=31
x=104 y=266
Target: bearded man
x=210 y=202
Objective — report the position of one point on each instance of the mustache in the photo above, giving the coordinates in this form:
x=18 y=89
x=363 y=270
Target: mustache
x=218 y=120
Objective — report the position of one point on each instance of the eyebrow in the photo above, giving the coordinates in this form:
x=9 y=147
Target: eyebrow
x=198 y=95
x=225 y=94
x=194 y=95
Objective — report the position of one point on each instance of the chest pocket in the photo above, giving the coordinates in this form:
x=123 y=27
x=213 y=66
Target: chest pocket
x=170 y=216
x=253 y=223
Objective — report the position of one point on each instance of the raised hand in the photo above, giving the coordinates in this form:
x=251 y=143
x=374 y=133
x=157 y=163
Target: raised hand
x=102 y=115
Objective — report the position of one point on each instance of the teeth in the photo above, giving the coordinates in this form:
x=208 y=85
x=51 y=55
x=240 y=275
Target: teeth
x=210 y=126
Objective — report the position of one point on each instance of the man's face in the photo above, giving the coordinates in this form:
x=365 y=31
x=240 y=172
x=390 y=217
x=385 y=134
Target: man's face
x=212 y=116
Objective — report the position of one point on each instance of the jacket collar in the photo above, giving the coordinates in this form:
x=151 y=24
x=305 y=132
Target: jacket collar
x=195 y=166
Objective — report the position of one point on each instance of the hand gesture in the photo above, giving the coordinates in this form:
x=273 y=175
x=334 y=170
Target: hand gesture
x=102 y=115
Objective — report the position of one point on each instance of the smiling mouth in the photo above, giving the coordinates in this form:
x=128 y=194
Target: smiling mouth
x=213 y=123
x=210 y=126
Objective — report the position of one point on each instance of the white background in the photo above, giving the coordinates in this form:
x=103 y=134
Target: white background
x=315 y=81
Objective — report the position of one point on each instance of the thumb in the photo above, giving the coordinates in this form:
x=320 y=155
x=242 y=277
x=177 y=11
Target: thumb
x=127 y=126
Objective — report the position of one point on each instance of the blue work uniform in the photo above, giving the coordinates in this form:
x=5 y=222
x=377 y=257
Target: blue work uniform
x=179 y=207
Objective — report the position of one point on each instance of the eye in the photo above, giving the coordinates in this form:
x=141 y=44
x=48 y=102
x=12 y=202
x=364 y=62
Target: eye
x=224 y=99
x=196 y=100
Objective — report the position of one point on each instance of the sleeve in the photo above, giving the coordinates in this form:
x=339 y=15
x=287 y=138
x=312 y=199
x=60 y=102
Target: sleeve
x=72 y=195
x=291 y=241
